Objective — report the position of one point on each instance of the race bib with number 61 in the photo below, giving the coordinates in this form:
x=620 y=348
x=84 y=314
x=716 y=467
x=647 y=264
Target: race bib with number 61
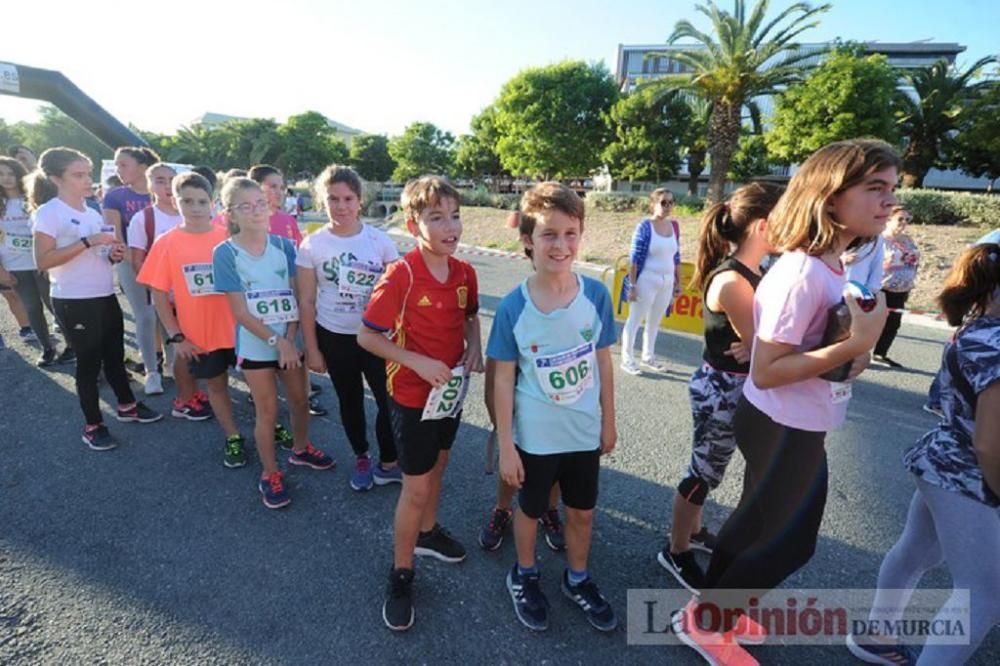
x=564 y=377
x=200 y=279
x=273 y=306
x=446 y=401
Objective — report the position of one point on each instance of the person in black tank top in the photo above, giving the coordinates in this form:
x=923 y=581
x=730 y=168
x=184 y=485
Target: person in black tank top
x=728 y=279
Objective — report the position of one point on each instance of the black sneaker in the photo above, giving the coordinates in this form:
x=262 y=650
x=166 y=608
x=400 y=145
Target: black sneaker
x=440 y=544
x=135 y=367
x=704 y=541
x=553 y=527
x=683 y=567
x=397 y=611
x=314 y=390
x=139 y=413
x=530 y=604
x=47 y=359
x=316 y=409
x=99 y=439
x=491 y=536
x=892 y=364
x=66 y=357
x=586 y=595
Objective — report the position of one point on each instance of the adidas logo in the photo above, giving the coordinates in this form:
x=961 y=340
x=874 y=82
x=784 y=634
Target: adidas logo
x=424 y=301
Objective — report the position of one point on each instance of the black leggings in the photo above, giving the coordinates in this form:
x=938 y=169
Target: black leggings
x=95 y=328
x=773 y=530
x=347 y=363
x=893 y=299
x=33 y=289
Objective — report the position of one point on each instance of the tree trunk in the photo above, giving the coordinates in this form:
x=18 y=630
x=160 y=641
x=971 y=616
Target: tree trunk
x=918 y=158
x=696 y=164
x=723 y=139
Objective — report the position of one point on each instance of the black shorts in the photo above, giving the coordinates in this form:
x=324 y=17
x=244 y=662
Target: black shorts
x=212 y=364
x=575 y=472
x=247 y=364
x=419 y=442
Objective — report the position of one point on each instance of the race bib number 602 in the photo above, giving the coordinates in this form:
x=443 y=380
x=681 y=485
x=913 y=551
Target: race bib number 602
x=446 y=401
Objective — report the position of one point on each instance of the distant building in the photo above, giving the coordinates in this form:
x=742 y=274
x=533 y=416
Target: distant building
x=633 y=66
x=212 y=120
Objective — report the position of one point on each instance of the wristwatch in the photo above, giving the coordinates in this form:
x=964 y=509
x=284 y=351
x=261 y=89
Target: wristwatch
x=86 y=243
x=272 y=341
x=174 y=339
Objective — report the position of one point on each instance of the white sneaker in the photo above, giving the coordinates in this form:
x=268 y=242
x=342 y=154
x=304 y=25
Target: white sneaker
x=630 y=367
x=154 y=383
x=653 y=365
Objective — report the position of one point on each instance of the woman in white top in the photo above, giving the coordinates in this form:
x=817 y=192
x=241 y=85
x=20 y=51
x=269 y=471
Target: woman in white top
x=338 y=267
x=77 y=248
x=653 y=280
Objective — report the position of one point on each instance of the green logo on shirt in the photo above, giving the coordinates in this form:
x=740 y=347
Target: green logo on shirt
x=282 y=273
x=587 y=334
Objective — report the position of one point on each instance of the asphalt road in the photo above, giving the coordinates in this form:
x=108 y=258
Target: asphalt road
x=155 y=553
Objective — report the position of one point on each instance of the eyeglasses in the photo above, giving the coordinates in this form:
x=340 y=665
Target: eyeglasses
x=666 y=202
x=247 y=207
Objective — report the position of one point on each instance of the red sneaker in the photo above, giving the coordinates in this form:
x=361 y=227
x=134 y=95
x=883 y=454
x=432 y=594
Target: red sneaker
x=748 y=632
x=716 y=649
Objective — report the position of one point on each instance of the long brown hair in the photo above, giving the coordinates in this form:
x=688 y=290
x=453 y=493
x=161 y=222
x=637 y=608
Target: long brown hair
x=801 y=221
x=728 y=223
x=53 y=162
x=971 y=284
x=19 y=174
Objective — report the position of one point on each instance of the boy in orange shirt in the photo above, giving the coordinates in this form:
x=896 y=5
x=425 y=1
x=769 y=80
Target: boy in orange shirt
x=199 y=322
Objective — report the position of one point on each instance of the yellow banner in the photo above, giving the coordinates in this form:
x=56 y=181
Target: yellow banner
x=686 y=313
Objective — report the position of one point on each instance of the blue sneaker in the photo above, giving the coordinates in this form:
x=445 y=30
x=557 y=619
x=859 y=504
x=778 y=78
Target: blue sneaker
x=384 y=477
x=272 y=491
x=311 y=457
x=530 y=604
x=362 y=477
x=590 y=600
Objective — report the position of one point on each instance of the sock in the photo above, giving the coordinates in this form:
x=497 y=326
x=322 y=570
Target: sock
x=91 y=428
x=576 y=577
x=533 y=569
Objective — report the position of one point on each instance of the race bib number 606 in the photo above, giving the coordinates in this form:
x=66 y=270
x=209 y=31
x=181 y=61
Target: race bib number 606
x=564 y=377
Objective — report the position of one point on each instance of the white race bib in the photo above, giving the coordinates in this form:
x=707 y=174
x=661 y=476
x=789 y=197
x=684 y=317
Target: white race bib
x=104 y=251
x=565 y=376
x=840 y=392
x=19 y=242
x=199 y=278
x=445 y=402
x=273 y=306
x=358 y=278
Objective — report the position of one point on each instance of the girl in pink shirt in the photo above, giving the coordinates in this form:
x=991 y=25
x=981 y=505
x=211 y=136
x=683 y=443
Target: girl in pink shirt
x=273 y=184
x=840 y=197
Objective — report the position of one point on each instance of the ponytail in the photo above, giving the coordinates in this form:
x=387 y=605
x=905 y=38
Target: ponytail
x=40 y=189
x=728 y=223
x=52 y=163
x=971 y=284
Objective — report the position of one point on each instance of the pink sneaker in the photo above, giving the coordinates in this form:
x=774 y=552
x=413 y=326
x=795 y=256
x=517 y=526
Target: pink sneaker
x=716 y=649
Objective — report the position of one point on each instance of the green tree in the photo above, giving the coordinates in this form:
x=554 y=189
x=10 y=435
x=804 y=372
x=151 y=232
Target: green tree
x=550 y=120
x=744 y=57
x=751 y=158
x=929 y=119
x=696 y=140
x=475 y=154
x=54 y=128
x=9 y=135
x=977 y=145
x=848 y=95
x=369 y=155
x=421 y=149
x=310 y=144
x=650 y=132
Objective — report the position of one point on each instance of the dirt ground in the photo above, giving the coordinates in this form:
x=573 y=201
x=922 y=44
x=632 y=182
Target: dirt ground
x=608 y=235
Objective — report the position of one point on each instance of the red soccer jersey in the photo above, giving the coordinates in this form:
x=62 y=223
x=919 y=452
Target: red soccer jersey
x=433 y=318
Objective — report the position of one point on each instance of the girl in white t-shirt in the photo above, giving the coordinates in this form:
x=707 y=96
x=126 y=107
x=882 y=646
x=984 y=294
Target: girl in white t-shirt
x=339 y=265
x=841 y=196
x=77 y=248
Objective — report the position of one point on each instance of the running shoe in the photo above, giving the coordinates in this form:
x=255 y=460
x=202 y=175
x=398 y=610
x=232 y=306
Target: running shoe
x=153 y=384
x=491 y=536
x=590 y=600
x=314 y=390
x=311 y=457
x=272 y=491
x=192 y=410
x=316 y=409
x=362 y=478
x=99 y=438
x=234 y=454
x=138 y=413
x=397 y=610
x=203 y=400
x=748 y=632
x=877 y=653
x=631 y=368
x=714 y=648
x=934 y=409
x=67 y=356
x=384 y=476
x=653 y=365
x=47 y=359
x=135 y=367
x=530 y=604
x=282 y=437
x=439 y=543
x=683 y=567
x=552 y=525
x=884 y=360
x=704 y=541
x=27 y=334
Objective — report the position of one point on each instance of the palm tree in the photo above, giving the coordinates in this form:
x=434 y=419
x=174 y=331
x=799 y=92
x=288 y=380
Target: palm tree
x=927 y=121
x=745 y=57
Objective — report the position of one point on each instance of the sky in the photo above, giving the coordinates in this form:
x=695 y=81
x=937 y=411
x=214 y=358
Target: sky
x=378 y=65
